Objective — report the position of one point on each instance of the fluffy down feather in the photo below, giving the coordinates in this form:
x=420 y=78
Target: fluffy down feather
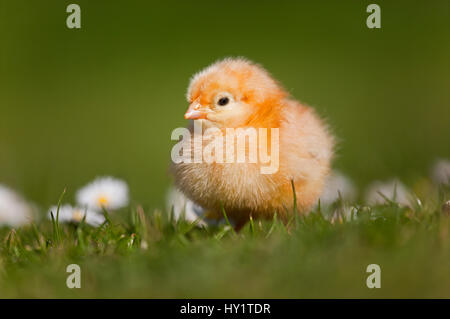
x=256 y=100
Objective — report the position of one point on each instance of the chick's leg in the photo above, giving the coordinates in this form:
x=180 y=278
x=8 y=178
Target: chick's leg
x=240 y=223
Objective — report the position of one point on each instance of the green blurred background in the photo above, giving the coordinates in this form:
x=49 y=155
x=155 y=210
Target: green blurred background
x=104 y=99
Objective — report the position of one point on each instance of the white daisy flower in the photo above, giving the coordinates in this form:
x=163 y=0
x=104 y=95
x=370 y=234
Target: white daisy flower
x=183 y=205
x=393 y=190
x=347 y=212
x=14 y=210
x=105 y=192
x=69 y=214
x=440 y=172
x=337 y=183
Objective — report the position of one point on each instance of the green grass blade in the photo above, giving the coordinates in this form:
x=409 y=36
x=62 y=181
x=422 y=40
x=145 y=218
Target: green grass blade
x=226 y=218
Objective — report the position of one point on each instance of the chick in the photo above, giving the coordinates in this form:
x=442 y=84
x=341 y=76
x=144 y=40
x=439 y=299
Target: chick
x=236 y=93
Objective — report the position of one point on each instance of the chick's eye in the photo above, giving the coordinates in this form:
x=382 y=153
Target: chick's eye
x=223 y=101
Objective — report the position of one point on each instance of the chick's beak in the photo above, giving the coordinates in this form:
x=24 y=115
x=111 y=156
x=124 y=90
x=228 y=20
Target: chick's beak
x=194 y=112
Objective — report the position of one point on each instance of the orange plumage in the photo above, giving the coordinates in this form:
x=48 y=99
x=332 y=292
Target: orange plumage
x=236 y=93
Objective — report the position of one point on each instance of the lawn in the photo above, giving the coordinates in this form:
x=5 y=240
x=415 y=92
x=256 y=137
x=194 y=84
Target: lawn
x=139 y=253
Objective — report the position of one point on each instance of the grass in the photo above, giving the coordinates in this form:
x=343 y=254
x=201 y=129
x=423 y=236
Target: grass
x=146 y=254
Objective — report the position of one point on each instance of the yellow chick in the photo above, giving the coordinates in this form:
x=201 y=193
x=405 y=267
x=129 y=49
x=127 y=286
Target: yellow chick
x=239 y=95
